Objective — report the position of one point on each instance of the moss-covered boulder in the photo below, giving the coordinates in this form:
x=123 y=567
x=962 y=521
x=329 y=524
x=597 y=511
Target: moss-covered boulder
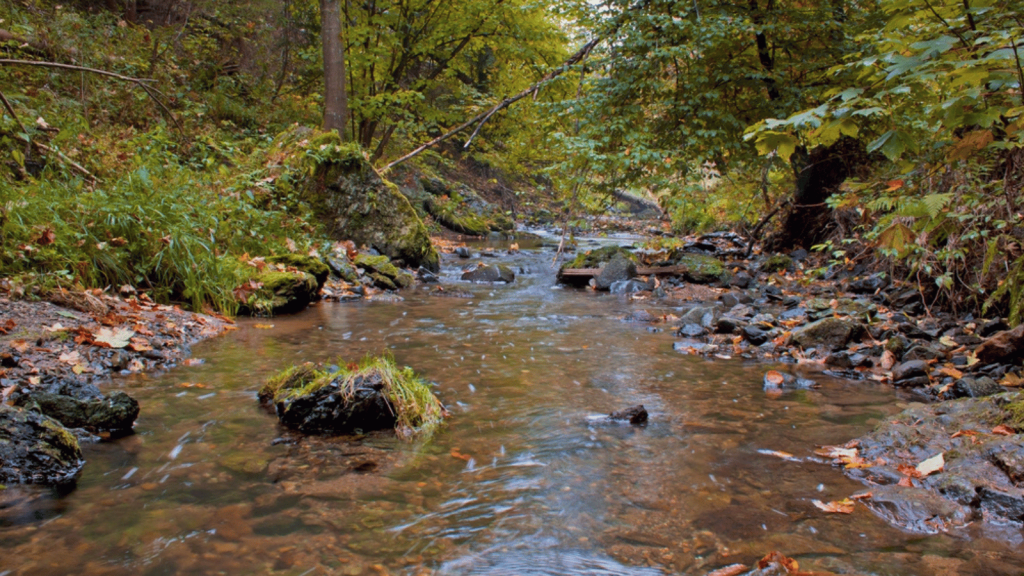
x=280 y=292
x=598 y=258
x=358 y=205
x=314 y=266
x=699 y=268
x=384 y=274
x=457 y=207
x=373 y=395
x=35 y=449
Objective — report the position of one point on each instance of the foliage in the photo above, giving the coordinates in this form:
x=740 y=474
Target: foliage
x=163 y=229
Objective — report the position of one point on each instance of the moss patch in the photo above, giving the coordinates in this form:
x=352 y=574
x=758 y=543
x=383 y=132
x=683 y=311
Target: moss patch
x=307 y=264
x=699 y=268
x=594 y=258
x=417 y=410
x=381 y=264
x=777 y=263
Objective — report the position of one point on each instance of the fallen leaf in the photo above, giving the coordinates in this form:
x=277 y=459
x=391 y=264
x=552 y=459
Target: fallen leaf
x=20 y=345
x=58 y=327
x=951 y=372
x=192 y=385
x=774 y=378
x=948 y=342
x=960 y=433
x=777 y=558
x=1012 y=380
x=79 y=368
x=456 y=454
x=844 y=506
x=139 y=345
x=263 y=326
x=730 y=570
x=107 y=338
x=7 y=326
x=70 y=358
x=1003 y=430
x=193 y=361
x=290 y=244
x=136 y=365
x=932 y=465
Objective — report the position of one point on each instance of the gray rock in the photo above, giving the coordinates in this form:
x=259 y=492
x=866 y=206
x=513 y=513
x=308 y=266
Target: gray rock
x=869 y=285
x=1006 y=346
x=828 y=332
x=635 y=414
x=617 y=269
x=755 y=335
x=690 y=346
x=35 y=449
x=740 y=280
x=922 y=352
x=343 y=269
x=916 y=509
x=696 y=315
x=642 y=316
x=490 y=273
x=910 y=369
x=115 y=412
x=463 y=252
x=628 y=287
x=691 y=330
x=727 y=325
x=968 y=387
x=793 y=314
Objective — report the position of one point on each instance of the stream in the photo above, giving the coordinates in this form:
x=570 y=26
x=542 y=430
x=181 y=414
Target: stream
x=526 y=477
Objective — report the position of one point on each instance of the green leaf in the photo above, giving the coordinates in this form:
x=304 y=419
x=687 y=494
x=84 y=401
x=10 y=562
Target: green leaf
x=782 y=143
x=893 y=144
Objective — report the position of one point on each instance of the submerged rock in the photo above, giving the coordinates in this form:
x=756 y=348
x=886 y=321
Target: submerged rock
x=35 y=449
x=635 y=414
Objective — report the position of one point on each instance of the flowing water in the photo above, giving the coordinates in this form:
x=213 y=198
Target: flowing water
x=527 y=477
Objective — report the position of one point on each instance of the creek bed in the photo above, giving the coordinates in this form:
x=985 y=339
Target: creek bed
x=526 y=477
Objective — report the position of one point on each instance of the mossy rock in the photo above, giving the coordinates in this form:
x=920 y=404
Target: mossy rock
x=597 y=258
x=375 y=394
x=309 y=264
x=472 y=216
x=36 y=449
x=699 y=268
x=382 y=281
x=379 y=264
x=777 y=263
x=282 y=293
x=343 y=269
x=358 y=205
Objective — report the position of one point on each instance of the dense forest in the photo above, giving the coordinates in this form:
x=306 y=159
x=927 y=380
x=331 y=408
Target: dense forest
x=885 y=132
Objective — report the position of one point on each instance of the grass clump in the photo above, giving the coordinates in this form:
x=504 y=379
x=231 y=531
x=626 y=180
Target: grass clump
x=417 y=410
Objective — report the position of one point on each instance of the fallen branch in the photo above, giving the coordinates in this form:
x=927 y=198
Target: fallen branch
x=481 y=118
x=143 y=83
x=757 y=229
x=29 y=142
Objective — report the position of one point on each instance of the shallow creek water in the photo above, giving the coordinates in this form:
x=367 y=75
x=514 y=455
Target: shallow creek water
x=526 y=477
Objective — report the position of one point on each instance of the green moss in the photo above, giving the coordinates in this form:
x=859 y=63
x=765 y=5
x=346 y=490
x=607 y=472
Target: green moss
x=292 y=378
x=305 y=263
x=417 y=410
x=1015 y=413
x=699 y=268
x=594 y=258
x=380 y=264
x=777 y=263
x=64 y=441
x=383 y=281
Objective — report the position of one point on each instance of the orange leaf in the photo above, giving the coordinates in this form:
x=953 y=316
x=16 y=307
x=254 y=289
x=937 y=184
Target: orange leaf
x=894 y=185
x=774 y=378
x=777 y=558
x=1003 y=430
x=841 y=507
x=730 y=570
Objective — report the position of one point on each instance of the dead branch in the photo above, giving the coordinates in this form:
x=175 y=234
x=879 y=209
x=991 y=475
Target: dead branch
x=143 y=83
x=481 y=118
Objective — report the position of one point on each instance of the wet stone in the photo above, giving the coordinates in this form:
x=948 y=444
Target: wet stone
x=628 y=287
x=463 y=252
x=490 y=273
x=691 y=330
x=641 y=316
x=690 y=346
x=635 y=414
x=909 y=369
x=990 y=327
x=869 y=285
x=727 y=325
x=922 y=352
x=755 y=335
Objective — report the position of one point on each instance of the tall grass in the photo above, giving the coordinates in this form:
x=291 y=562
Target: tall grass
x=167 y=230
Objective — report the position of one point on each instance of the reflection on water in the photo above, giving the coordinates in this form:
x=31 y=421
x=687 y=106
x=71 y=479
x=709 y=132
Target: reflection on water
x=525 y=479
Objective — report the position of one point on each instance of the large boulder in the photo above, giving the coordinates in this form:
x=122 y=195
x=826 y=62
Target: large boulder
x=828 y=332
x=358 y=204
x=280 y=292
x=35 y=449
x=384 y=274
x=617 y=269
x=598 y=258
x=699 y=268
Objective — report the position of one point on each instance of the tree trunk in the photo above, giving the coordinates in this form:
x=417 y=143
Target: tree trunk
x=335 y=95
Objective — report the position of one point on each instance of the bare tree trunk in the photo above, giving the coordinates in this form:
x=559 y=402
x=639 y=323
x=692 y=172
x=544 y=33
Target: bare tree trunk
x=335 y=95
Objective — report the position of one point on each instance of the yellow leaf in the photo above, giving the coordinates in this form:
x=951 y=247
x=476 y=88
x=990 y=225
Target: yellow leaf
x=930 y=466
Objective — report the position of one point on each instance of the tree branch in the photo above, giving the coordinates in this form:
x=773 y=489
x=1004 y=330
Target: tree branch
x=143 y=83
